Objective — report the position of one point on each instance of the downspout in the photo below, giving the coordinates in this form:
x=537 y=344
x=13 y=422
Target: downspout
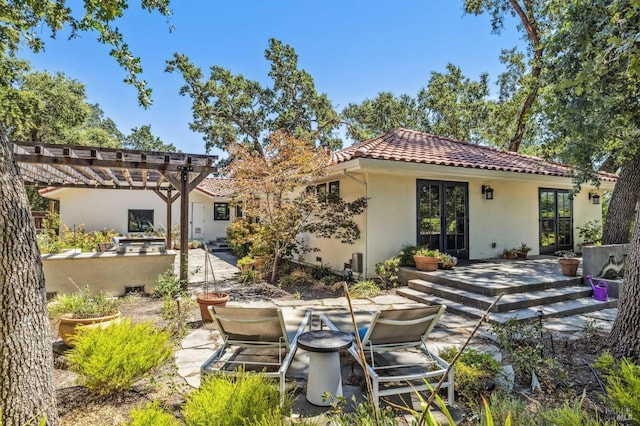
x=364 y=231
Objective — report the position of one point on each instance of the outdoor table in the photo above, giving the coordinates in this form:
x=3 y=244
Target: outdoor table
x=324 y=362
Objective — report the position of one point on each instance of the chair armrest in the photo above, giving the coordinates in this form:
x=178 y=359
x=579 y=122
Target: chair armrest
x=293 y=346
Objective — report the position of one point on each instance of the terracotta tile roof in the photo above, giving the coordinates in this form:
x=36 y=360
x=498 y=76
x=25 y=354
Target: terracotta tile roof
x=217 y=187
x=416 y=147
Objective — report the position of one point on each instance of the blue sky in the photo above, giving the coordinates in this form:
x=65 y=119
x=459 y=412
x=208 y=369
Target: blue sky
x=353 y=49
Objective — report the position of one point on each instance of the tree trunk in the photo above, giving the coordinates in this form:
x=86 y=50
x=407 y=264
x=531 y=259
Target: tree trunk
x=617 y=227
x=26 y=361
x=625 y=334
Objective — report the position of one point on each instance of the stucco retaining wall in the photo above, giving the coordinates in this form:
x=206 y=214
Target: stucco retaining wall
x=595 y=259
x=107 y=271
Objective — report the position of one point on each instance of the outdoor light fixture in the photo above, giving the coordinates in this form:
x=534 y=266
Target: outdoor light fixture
x=487 y=191
x=595 y=198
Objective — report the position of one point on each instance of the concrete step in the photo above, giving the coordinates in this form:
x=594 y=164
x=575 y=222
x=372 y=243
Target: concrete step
x=494 y=281
x=557 y=309
x=508 y=302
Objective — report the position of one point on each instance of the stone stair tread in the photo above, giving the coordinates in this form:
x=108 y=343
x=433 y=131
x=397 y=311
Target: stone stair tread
x=507 y=298
x=569 y=307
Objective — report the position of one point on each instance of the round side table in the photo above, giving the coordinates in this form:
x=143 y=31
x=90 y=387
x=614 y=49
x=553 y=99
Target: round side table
x=324 y=362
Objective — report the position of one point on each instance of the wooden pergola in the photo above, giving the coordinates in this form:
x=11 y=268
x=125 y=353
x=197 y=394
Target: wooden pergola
x=68 y=166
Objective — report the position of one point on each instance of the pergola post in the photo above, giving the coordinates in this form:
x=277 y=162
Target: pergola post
x=184 y=222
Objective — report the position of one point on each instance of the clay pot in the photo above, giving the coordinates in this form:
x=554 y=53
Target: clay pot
x=68 y=324
x=426 y=263
x=210 y=299
x=569 y=267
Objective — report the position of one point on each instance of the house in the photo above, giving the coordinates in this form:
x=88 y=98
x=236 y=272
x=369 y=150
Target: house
x=468 y=200
x=134 y=211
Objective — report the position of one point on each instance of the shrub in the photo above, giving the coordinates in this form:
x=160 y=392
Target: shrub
x=473 y=370
x=501 y=406
x=406 y=255
x=247 y=276
x=247 y=399
x=169 y=285
x=590 y=232
x=83 y=304
x=238 y=237
x=387 y=271
x=570 y=414
x=151 y=415
x=624 y=387
x=365 y=288
x=318 y=272
x=112 y=359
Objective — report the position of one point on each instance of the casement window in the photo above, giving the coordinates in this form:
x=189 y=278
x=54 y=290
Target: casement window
x=220 y=211
x=140 y=220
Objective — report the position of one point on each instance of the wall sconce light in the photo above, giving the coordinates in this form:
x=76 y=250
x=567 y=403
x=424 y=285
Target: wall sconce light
x=487 y=191
x=595 y=198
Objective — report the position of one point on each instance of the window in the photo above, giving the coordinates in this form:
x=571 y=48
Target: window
x=140 y=220
x=321 y=189
x=334 y=187
x=220 y=211
x=238 y=210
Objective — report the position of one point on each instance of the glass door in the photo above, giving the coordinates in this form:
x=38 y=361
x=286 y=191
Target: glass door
x=443 y=212
x=556 y=220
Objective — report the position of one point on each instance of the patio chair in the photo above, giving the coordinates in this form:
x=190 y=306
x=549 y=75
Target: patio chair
x=397 y=358
x=254 y=339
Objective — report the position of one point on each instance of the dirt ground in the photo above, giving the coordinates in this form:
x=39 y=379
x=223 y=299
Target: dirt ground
x=76 y=406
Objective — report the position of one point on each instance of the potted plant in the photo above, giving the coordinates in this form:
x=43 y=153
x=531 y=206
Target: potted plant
x=207 y=298
x=245 y=263
x=426 y=259
x=568 y=262
x=521 y=252
x=83 y=309
x=446 y=261
x=509 y=253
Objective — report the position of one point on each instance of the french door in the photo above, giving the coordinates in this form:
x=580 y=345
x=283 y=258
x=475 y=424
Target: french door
x=443 y=216
x=556 y=219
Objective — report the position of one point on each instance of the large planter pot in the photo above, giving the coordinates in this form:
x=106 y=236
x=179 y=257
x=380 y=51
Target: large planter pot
x=260 y=261
x=68 y=325
x=426 y=263
x=210 y=299
x=569 y=266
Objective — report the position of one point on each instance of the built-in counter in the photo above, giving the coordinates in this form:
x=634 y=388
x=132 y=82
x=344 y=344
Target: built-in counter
x=109 y=271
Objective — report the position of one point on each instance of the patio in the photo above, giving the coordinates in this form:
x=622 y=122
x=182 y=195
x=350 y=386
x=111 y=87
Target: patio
x=451 y=330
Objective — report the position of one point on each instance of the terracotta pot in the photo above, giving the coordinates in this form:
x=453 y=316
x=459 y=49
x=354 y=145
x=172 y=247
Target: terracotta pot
x=260 y=261
x=68 y=325
x=569 y=266
x=210 y=299
x=522 y=254
x=426 y=263
x=245 y=266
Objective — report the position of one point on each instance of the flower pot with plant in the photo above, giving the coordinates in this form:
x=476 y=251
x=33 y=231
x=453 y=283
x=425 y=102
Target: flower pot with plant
x=245 y=263
x=207 y=298
x=568 y=263
x=509 y=253
x=426 y=259
x=522 y=251
x=83 y=309
x=446 y=261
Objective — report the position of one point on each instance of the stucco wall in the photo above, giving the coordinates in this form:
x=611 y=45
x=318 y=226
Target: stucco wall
x=107 y=271
x=389 y=221
x=98 y=209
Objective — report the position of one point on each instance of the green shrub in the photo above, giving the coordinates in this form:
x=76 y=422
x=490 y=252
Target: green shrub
x=238 y=237
x=472 y=371
x=151 y=415
x=319 y=272
x=570 y=414
x=169 y=285
x=83 y=304
x=247 y=276
x=624 y=387
x=387 y=271
x=248 y=399
x=501 y=406
x=113 y=358
x=406 y=255
x=590 y=232
x=365 y=288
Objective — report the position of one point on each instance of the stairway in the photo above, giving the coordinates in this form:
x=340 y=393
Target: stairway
x=528 y=287
x=219 y=244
